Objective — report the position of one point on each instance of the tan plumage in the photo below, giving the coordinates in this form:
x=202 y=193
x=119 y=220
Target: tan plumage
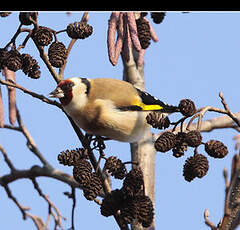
x=104 y=106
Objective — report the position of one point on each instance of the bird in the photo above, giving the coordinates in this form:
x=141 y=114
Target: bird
x=108 y=107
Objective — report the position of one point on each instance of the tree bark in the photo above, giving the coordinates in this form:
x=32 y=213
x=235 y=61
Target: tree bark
x=142 y=151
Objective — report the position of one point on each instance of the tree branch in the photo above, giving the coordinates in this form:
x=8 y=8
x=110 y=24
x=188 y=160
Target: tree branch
x=50 y=203
x=29 y=92
x=208 y=125
x=38 y=171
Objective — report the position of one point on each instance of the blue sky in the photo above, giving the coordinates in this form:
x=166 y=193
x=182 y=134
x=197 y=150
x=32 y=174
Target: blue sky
x=197 y=56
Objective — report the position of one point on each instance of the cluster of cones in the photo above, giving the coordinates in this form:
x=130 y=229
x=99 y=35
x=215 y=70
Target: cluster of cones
x=130 y=202
x=196 y=165
x=42 y=36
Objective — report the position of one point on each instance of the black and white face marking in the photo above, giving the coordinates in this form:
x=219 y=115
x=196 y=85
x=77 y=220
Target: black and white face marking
x=87 y=83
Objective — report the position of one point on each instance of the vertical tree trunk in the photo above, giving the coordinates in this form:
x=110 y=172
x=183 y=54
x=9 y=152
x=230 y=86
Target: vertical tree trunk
x=142 y=151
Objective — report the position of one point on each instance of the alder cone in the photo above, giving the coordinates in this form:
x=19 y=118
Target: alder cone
x=157 y=17
x=187 y=107
x=112 y=202
x=157 y=120
x=194 y=138
x=30 y=66
x=195 y=166
x=165 y=142
x=116 y=167
x=133 y=183
x=82 y=172
x=92 y=189
x=216 y=149
x=42 y=36
x=79 y=30
x=12 y=60
x=25 y=17
x=57 y=54
x=144 y=34
x=144 y=210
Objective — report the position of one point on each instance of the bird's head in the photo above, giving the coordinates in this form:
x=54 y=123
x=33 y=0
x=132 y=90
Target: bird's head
x=71 y=89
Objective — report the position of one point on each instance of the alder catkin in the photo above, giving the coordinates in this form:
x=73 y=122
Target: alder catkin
x=1 y=110
x=10 y=76
x=133 y=30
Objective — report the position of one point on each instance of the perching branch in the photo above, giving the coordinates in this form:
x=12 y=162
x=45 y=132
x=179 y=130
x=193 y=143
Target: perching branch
x=29 y=92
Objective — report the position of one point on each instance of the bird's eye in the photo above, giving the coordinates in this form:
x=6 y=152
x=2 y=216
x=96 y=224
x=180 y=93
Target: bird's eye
x=67 y=86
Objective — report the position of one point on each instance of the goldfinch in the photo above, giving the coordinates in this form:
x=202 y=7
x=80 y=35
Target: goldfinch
x=108 y=107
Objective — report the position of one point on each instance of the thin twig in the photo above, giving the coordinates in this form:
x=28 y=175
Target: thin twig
x=37 y=221
x=45 y=59
x=30 y=142
x=73 y=206
x=12 y=41
x=50 y=203
x=84 y=18
x=230 y=114
x=207 y=221
x=7 y=160
x=70 y=46
x=14 y=199
x=29 y=92
x=11 y=76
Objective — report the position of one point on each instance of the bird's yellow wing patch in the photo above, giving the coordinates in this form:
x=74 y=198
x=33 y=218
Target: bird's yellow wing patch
x=148 y=107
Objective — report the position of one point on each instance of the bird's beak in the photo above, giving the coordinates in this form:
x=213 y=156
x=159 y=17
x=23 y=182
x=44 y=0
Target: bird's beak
x=58 y=93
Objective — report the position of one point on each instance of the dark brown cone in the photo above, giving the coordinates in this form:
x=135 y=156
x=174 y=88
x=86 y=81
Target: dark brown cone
x=25 y=17
x=30 y=66
x=79 y=30
x=4 y=14
x=143 y=14
x=128 y=211
x=35 y=73
x=144 y=34
x=194 y=138
x=216 y=149
x=111 y=203
x=195 y=166
x=3 y=55
x=92 y=189
x=57 y=54
x=42 y=36
x=187 y=107
x=13 y=60
x=158 y=120
x=180 y=145
x=158 y=17
x=72 y=157
x=133 y=183
x=116 y=167
x=144 y=210
x=82 y=172
x=165 y=142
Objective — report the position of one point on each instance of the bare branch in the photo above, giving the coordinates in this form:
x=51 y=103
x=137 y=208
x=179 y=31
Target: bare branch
x=51 y=69
x=7 y=160
x=11 y=76
x=221 y=122
x=30 y=142
x=50 y=203
x=84 y=18
x=38 y=171
x=1 y=110
x=14 y=199
x=37 y=221
x=29 y=92
x=230 y=114
x=207 y=221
